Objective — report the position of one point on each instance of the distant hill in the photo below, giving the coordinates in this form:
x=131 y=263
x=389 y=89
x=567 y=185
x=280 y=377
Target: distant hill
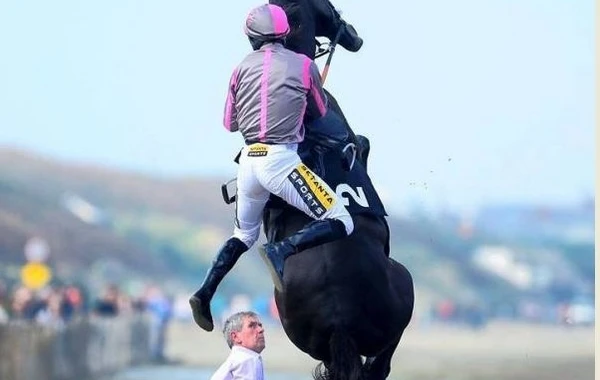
x=144 y=218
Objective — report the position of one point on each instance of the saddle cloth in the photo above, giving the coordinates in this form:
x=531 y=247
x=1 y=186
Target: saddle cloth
x=354 y=187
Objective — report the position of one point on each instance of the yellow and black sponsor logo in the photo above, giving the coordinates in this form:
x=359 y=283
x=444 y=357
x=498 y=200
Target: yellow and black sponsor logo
x=258 y=150
x=315 y=193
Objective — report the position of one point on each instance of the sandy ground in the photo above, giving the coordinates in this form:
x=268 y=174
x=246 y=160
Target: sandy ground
x=500 y=352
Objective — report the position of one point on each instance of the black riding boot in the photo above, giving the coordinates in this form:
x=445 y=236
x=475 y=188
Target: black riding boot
x=313 y=234
x=225 y=260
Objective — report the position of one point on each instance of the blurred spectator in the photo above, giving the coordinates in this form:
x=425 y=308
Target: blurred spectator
x=160 y=310
x=446 y=309
x=125 y=305
x=107 y=305
x=3 y=315
x=23 y=304
x=72 y=302
x=3 y=311
x=51 y=314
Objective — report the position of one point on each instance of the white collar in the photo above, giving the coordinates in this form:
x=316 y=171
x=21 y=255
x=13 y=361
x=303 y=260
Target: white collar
x=245 y=350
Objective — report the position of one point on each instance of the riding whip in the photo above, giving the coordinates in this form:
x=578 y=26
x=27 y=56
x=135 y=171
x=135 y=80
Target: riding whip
x=331 y=51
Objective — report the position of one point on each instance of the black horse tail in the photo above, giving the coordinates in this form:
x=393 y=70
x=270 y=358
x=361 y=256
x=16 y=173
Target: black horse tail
x=344 y=362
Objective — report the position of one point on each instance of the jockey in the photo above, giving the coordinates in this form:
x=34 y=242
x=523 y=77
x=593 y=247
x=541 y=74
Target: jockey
x=268 y=95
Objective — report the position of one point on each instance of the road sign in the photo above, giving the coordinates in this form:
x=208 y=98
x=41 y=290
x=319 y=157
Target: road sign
x=35 y=275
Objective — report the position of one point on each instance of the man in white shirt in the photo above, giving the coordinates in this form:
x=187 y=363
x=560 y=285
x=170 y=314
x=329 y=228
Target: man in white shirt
x=245 y=336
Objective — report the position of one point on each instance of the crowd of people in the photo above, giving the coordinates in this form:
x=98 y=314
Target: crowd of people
x=49 y=305
x=56 y=306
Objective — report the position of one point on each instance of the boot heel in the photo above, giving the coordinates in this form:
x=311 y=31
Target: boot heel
x=199 y=318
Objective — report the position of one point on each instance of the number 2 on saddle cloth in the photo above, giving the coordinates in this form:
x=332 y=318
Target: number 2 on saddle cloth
x=341 y=165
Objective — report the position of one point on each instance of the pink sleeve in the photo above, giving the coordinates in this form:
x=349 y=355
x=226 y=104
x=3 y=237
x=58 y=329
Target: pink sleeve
x=316 y=89
x=230 y=115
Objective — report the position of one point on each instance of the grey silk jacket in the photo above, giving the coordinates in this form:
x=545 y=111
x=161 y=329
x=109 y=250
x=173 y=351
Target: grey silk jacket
x=269 y=93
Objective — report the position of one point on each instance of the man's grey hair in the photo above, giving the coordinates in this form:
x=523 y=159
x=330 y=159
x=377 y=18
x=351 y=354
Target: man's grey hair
x=235 y=323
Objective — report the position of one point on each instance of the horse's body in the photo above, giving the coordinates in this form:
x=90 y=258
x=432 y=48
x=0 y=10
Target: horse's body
x=344 y=299
x=349 y=287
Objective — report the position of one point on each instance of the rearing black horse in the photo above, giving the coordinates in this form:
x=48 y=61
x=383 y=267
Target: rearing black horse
x=344 y=299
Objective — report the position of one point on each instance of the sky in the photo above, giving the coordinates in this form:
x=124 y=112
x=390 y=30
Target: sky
x=466 y=102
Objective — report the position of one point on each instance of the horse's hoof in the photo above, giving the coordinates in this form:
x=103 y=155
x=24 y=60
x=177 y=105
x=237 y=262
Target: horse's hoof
x=277 y=280
x=205 y=322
